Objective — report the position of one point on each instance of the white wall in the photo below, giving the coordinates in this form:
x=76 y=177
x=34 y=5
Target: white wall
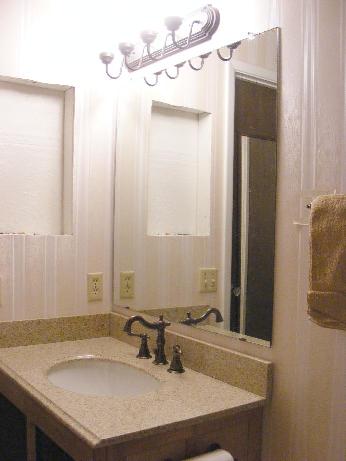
x=306 y=420
x=50 y=41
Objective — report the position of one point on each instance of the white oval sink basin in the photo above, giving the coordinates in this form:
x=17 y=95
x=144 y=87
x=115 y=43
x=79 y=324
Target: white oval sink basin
x=101 y=377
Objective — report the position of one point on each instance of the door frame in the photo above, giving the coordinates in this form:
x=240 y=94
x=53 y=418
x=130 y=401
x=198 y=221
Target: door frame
x=244 y=71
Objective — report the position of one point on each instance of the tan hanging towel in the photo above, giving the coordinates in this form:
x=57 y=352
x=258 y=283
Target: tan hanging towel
x=327 y=288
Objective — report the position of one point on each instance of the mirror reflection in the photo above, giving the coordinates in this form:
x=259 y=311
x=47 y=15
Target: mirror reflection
x=195 y=193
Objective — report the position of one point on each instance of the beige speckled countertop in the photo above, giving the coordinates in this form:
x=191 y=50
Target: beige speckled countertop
x=180 y=400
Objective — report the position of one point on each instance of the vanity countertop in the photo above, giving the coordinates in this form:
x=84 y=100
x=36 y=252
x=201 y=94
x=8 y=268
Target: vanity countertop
x=183 y=399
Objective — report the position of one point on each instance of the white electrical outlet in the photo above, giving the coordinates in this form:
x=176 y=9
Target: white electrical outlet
x=127 y=284
x=95 y=286
x=207 y=280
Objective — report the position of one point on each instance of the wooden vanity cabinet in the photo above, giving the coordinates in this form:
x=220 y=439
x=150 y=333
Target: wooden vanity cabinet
x=12 y=432
x=47 y=450
x=239 y=434
x=22 y=440
x=13 y=437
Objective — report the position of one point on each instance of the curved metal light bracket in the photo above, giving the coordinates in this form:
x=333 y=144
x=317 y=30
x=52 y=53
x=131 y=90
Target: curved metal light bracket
x=154 y=56
x=223 y=58
x=177 y=66
x=231 y=48
x=139 y=63
x=194 y=67
x=173 y=77
x=115 y=77
x=203 y=58
x=107 y=59
x=187 y=44
x=156 y=79
x=209 y=20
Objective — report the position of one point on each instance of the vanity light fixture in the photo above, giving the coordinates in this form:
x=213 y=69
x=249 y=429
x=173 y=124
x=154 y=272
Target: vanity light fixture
x=180 y=35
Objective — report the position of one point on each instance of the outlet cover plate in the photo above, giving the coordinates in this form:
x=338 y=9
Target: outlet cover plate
x=207 y=280
x=127 y=284
x=95 y=286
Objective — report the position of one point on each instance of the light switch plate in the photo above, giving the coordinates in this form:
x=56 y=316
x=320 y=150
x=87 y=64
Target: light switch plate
x=207 y=280
x=95 y=286
x=127 y=284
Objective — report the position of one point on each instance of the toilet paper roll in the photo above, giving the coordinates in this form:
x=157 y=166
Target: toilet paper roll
x=217 y=455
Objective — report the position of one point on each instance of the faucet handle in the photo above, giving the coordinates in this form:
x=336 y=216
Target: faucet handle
x=189 y=320
x=176 y=366
x=162 y=322
x=144 y=352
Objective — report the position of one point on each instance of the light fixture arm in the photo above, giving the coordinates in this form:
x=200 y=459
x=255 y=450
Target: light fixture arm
x=193 y=67
x=163 y=49
x=203 y=58
x=107 y=59
x=231 y=48
x=177 y=66
x=187 y=44
x=172 y=77
x=115 y=77
x=223 y=58
x=139 y=63
x=156 y=79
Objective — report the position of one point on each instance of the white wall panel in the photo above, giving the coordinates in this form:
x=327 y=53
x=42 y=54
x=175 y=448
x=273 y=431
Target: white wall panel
x=31 y=158
x=306 y=420
x=65 y=275
x=50 y=269
x=34 y=276
x=6 y=282
x=45 y=277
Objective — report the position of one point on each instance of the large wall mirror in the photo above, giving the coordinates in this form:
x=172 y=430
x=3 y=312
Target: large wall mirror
x=195 y=192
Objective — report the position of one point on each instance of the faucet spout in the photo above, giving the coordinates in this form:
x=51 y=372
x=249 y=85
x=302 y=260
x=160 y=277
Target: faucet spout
x=160 y=326
x=194 y=321
x=136 y=318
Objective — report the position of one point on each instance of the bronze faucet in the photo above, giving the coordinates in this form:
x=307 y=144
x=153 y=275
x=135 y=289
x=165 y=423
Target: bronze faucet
x=160 y=325
x=194 y=321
